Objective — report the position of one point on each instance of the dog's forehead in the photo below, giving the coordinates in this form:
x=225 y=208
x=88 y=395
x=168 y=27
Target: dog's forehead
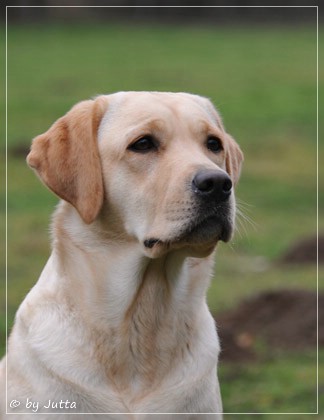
x=133 y=107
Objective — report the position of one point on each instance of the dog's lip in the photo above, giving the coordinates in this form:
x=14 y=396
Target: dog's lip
x=207 y=230
x=149 y=243
x=211 y=226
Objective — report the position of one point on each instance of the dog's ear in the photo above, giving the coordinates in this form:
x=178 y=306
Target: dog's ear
x=234 y=158
x=66 y=158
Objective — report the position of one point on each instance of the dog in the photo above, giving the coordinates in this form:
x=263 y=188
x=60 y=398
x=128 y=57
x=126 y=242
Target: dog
x=118 y=320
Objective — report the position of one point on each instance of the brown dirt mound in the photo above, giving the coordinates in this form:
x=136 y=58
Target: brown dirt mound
x=305 y=251
x=285 y=319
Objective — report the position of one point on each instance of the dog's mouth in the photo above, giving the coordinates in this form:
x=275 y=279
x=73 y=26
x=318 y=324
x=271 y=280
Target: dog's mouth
x=210 y=228
x=202 y=231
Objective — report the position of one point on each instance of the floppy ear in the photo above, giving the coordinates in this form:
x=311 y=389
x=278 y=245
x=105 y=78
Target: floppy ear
x=66 y=158
x=234 y=159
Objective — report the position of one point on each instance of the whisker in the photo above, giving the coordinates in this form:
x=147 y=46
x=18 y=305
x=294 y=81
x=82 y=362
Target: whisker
x=243 y=204
x=243 y=219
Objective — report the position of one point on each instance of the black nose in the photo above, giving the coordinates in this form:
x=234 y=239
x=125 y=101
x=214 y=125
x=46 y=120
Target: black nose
x=216 y=185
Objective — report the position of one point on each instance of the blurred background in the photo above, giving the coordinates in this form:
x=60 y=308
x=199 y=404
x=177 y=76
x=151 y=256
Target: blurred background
x=258 y=66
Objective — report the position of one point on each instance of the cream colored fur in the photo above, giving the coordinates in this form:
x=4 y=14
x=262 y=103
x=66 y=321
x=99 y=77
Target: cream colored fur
x=113 y=325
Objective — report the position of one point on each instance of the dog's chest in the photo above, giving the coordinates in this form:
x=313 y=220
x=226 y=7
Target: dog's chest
x=149 y=341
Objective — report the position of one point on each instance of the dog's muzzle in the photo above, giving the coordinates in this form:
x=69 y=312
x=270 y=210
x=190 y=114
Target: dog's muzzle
x=212 y=219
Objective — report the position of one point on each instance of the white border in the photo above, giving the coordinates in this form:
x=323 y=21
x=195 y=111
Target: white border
x=6 y=204
x=317 y=134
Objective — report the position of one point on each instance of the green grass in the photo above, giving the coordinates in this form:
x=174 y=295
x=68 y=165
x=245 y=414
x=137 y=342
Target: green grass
x=263 y=80
x=285 y=383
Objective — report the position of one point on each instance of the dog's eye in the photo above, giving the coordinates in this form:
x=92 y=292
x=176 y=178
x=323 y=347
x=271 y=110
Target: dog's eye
x=214 y=144
x=143 y=145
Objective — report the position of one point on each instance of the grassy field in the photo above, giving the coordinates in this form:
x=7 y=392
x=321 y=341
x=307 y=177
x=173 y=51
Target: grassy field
x=263 y=80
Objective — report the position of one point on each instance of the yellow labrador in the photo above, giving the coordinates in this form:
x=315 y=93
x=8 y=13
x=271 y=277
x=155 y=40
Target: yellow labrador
x=118 y=321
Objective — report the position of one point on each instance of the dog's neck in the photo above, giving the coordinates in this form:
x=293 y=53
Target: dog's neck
x=112 y=272
x=132 y=300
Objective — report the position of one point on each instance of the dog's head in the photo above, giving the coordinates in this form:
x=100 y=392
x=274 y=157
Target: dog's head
x=160 y=165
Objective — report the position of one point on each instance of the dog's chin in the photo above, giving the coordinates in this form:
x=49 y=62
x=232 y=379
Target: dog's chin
x=207 y=231
x=197 y=239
